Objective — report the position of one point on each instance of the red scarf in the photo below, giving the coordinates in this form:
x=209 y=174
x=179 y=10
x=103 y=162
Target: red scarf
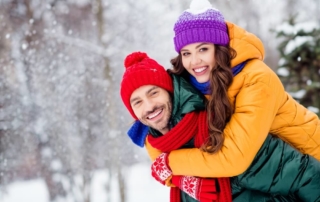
x=193 y=124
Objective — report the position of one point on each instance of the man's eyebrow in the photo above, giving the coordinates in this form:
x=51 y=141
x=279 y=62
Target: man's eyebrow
x=151 y=89
x=136 y=98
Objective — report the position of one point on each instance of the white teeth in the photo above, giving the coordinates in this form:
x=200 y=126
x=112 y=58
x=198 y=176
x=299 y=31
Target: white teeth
x=154 y=115
x=200 y=69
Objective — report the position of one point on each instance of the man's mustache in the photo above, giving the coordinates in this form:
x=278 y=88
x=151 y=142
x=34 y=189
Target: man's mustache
x=152 y=111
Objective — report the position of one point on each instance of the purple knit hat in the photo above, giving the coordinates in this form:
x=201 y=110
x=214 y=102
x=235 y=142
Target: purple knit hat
x=200 y=23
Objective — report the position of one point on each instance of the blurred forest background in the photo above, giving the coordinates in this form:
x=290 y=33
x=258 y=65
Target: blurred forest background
x=61 y=63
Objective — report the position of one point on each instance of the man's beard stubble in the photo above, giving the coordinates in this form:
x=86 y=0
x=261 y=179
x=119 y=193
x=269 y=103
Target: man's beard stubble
x=165 y=120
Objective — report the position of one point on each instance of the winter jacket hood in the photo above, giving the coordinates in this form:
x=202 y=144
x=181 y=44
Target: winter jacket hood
x=241 y=40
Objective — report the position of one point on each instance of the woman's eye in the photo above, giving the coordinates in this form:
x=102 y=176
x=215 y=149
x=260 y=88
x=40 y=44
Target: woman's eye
x=203 y=49
x=185 y=54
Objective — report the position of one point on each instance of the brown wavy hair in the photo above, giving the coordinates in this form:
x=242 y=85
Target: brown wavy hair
x=219 y=108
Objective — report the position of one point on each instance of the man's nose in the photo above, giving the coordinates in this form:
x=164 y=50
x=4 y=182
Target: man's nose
x=149 y=105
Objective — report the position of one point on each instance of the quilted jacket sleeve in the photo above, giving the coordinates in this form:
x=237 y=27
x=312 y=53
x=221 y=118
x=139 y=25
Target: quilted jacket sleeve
x=256 y=105
x=152 y=152
x=280 y=169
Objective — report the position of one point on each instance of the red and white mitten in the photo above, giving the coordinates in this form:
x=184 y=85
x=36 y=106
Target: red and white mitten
x=160 y=169
x=201 y=189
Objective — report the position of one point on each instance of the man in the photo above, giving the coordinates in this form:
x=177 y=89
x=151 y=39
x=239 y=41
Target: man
x=147 y=93
x=175 y=113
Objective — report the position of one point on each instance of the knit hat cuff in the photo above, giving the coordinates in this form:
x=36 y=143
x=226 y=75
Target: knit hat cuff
x=195 y=35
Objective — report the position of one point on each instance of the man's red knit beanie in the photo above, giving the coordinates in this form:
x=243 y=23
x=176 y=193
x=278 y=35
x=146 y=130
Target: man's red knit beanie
x=142 y=70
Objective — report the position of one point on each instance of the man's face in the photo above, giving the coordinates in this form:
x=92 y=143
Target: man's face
x=152 y=105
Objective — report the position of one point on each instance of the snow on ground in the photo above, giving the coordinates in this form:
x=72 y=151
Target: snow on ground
x=33 y=190
x=141 y=187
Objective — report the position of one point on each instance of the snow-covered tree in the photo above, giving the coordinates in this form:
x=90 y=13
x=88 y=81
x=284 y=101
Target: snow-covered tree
x=61 y=62
x=61 y=116
x=299 y=66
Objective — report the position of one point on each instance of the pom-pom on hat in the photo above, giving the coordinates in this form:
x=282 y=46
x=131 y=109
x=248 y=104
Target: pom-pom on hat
x=200 y=23
x=142 y=70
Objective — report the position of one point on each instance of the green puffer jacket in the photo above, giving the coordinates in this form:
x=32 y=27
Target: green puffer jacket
x=282 y=170
x=278 y=173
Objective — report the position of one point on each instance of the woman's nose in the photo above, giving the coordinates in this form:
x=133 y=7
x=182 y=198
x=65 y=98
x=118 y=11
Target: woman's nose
x=195 y=60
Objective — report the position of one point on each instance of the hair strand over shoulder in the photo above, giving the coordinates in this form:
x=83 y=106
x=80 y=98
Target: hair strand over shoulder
x=219 y=108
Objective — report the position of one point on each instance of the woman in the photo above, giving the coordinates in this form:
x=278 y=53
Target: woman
x=242 y=109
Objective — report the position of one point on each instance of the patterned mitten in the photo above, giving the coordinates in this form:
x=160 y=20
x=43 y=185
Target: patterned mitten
x=201 y=189
x=160 y=169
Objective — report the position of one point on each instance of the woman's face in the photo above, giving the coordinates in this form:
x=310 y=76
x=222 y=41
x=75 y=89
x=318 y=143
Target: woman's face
x=198 y=59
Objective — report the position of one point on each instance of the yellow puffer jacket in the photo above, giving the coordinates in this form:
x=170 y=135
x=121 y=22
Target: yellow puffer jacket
x=261 y=106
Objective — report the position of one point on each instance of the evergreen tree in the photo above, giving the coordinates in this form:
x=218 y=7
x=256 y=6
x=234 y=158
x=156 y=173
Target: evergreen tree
x=299 y=65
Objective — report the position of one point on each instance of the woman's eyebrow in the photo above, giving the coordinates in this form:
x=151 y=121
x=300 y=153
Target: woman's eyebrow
x=201 y=45
x=196 y=46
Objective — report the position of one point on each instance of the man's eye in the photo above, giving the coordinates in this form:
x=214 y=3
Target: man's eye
x=136 y=103
x=154 y=92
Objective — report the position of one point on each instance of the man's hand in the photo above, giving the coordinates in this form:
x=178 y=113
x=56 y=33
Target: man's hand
x=201 y=189
x=160 y=169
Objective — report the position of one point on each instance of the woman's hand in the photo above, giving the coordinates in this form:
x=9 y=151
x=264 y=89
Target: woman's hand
x=160 y=169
